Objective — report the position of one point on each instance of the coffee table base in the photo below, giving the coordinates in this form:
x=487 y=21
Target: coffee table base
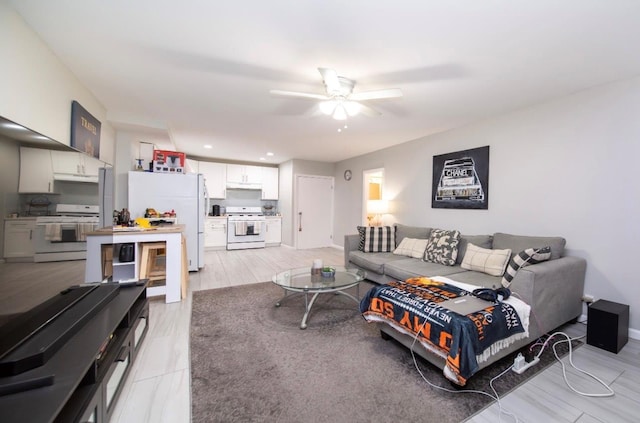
x=308 y=304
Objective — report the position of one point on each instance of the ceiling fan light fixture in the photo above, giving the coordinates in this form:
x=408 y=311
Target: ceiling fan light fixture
x=327 y=107
x=352 y=107
x=340 y=113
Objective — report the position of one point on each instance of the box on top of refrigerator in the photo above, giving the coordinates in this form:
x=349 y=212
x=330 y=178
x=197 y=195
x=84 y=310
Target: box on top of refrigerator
x=168 y=161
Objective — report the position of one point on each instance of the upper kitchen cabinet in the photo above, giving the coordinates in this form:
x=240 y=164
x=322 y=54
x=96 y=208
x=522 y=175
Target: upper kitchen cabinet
x=74 y=166
x=242 y=175
x=215 y=176
x=36 y=171
x=269 y=183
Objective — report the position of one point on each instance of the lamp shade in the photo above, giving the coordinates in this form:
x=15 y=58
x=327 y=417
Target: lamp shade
x=377 y=206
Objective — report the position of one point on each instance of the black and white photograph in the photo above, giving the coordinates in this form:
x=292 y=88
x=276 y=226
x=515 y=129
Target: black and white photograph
x=461 y=180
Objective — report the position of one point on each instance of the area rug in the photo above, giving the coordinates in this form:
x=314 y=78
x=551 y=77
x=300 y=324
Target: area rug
x=251 y=362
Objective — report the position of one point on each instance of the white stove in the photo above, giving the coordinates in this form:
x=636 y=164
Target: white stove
x=246 y=227
x=63 y=236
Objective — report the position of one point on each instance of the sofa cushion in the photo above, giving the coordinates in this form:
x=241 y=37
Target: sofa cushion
x=519 y=243
x=404 y=231
x=379 y=239
x=522 y=259
x=373 y=262
x=491 y=262
x=411 y=247
x=442 y=247
x=411 y=268
x=482 y=241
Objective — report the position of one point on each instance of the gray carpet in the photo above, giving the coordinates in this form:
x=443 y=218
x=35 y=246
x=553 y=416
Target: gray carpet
x=250 y=362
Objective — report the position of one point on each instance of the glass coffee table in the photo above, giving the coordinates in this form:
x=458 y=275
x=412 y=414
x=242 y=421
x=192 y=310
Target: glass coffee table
x=301 y=281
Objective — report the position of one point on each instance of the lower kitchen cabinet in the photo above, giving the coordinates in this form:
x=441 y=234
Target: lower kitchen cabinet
x=273 y=235
x=215 y=233
x=18 y=238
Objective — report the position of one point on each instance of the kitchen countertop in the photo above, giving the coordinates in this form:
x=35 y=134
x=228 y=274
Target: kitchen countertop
x=138 y=230
x=21 y=218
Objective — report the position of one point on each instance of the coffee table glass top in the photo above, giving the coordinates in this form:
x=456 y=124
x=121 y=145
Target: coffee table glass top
x=303 y=280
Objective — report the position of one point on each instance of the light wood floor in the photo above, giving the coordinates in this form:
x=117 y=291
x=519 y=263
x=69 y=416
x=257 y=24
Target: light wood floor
x=158 y=387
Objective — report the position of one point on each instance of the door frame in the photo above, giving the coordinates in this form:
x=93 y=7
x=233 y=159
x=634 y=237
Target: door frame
x=296 y=203
x=365 y=189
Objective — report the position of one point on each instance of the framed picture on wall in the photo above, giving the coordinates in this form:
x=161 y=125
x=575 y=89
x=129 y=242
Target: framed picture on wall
x=461 y=180
x=85 y=130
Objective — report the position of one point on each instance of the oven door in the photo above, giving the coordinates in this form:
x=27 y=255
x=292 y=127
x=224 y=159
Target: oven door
x=240 y=231
x=58 y=242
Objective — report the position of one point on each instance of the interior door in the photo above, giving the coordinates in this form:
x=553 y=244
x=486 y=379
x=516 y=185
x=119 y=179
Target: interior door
x=314 y=211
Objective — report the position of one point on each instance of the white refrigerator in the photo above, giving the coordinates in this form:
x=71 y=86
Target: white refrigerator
x=186 y=194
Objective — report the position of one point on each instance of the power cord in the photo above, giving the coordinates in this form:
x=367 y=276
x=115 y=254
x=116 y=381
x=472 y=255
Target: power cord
x=610 y=392
x=495 y=395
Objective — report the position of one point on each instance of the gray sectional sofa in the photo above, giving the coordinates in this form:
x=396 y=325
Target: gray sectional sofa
x=553 y=288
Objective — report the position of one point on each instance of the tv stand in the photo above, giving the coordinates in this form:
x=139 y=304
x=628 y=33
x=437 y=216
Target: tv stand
x=83 y=377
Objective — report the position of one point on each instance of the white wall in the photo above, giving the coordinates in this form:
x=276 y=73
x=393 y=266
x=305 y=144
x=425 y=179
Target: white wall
x=567 y=168
x=36 y=89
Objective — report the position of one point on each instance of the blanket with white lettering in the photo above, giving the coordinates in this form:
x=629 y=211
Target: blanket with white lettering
x=412 y=308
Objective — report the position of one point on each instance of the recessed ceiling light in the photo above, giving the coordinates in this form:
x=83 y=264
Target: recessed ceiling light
x=269 y=153
x=339 y=129
x=345 y=127
x=262 y=158
x=208 y=146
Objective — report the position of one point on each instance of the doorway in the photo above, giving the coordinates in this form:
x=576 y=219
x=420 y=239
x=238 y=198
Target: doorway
x=374 y=206
x=314 y=211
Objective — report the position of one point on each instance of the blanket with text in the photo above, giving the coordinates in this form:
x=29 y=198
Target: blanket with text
x=413 y=308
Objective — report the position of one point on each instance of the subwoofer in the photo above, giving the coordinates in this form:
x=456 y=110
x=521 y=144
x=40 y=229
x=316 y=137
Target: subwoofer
x=608 y=325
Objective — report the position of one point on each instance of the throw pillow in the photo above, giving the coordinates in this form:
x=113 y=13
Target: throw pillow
x=442 y=247
x=491 y=262
x=411 y=247
x=361 y=231
x=379 y=239
x=522 y=259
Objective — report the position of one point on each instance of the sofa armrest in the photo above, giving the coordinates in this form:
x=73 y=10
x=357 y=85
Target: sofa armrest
x=554 y=291
x=350 y=244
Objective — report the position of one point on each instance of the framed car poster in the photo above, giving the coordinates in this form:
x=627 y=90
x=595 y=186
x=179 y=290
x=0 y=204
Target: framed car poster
x=85 y=131
x=461 y=180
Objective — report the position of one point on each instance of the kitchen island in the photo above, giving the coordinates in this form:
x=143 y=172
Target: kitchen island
x=175 y=270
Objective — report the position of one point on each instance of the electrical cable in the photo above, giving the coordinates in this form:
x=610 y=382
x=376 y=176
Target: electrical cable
x=610 y=392
x=495 y=395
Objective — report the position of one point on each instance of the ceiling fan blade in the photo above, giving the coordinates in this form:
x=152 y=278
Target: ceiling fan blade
x=376 y=94
x=330 y=78
x=369 y=111
x=298 y=94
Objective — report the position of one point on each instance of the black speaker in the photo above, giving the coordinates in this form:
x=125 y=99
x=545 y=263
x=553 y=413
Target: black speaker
x=608 y=325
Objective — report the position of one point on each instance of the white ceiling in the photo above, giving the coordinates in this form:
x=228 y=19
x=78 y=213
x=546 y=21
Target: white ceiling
x=199 y=72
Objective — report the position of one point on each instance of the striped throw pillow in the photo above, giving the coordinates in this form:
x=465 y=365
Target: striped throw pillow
x=361 y=232
x=522 y=259
x=379 y=239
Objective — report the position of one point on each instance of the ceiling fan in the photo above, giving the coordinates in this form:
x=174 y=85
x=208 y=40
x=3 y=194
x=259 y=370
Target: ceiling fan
x=340 y=101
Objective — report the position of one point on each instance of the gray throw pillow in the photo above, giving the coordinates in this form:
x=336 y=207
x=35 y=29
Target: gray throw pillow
x=442 y=247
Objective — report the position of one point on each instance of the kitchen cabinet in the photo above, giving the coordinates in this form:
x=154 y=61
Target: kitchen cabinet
x=241 y=174
x=18 y=238
x=215 y=176
x=36 y=171
x=269 y=183
x=215 y=232
x=76 y=164
x=273 y=235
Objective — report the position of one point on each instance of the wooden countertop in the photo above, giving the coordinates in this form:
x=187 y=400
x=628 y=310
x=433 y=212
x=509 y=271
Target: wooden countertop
x=137 y=230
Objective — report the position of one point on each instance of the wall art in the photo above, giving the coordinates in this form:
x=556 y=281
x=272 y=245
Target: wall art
x=85 y=131
x=461 y=180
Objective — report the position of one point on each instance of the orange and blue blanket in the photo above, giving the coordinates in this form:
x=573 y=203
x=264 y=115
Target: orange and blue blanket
x=412 y=307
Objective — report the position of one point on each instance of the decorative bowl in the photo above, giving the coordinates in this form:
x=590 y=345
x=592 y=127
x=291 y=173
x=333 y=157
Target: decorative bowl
x=328 y=273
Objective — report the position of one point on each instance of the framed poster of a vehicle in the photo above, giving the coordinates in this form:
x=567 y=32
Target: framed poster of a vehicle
x=461 y=180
